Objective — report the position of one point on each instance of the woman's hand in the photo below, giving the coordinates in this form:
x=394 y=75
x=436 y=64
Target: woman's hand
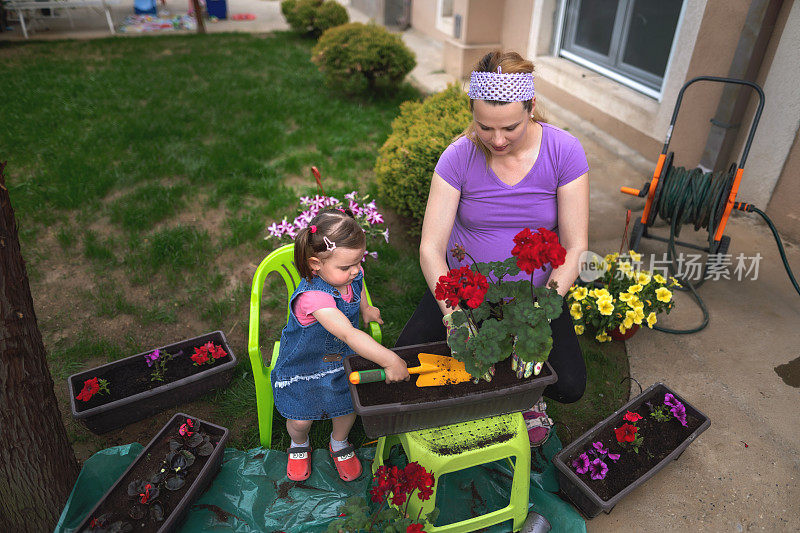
x=370 y=313
x=397 y=370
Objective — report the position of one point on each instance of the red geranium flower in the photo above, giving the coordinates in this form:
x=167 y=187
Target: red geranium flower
x=415 y=528
x=462 y=285
x=200 y=356
x=632 y=417
x=626 y=433
x=535 y=250
x=90 y=387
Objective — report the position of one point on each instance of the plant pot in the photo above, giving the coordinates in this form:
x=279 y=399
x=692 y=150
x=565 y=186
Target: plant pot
x=134 y=396
x=617 y=336
x=578 y=488
x=401 y=407
x=176 y=503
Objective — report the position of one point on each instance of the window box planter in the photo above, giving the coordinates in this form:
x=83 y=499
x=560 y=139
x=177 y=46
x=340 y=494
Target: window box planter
x=134 y=396
x=665 y=441
x=117 y=504
x=401 y=407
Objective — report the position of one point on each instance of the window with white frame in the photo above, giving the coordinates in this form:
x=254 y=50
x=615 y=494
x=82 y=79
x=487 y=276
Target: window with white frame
x=628 y=40
x=444 y=16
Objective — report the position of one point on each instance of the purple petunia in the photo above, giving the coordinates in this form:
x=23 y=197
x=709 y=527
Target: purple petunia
x=351 y=195
x=374 y=217
x=670 y=400
x=274 y=230
x=599 y=447
x=581 y=464
x=598 y=469
x=677 y=409
x=151 y=358
x=613 y=456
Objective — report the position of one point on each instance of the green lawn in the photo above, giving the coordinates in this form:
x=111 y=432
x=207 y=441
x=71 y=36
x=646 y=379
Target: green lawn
x=144 y=171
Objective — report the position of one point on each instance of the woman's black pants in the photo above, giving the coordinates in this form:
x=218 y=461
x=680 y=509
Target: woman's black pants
x=566 y=358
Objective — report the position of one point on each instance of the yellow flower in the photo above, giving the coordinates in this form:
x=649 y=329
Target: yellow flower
x=578 y=329
x=642 y=278
x=663 y=294
x=675 y=282
x=651 y=319
x=636 y=257
x=659 y=278
x=633 y=289
x=602 y=337
x=601 y=293
x=625 y=296
x=624 y=267
x=634 y=302
x=580 y=293
x=605 y=306
x=622 y=329
x=575 y=311
x=611 y=257
x=628 y=322
x=639 y=315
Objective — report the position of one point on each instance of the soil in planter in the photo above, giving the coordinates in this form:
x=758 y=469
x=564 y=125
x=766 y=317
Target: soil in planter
x=133 y=377
x=118 y=502
x=407 y=392
x=660 y=439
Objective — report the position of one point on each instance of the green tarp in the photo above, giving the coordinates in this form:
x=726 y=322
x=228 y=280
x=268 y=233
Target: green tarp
x=252 y=494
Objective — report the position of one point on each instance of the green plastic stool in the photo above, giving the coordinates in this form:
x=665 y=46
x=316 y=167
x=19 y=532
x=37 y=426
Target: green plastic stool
x=282 y=262
x=477 y=442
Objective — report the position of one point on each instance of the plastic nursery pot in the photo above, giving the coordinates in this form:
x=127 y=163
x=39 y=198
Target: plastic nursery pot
x=134 y=396
x=617 y=336
x=576 y=487
x=147 y=463
x=401 y=407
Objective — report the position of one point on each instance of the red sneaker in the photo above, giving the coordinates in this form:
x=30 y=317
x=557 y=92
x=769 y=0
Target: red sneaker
x=299 y=466
x=346 y=463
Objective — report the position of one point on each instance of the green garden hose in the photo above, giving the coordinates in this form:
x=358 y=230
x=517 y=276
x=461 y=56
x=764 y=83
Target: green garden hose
x=698 y=198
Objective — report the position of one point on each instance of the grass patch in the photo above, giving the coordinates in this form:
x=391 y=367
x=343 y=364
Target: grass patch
x=171 y=250
x=142 y=208
x=97 y=249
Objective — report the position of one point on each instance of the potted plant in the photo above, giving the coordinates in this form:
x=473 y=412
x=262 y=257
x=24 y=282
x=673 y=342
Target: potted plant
x=501 y=332
x=158 y=488
x=388 y=509
x=130 y=389
x=627 y=448
x=621 y=300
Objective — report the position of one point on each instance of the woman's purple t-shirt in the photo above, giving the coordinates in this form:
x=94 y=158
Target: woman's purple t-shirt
x=490 y=212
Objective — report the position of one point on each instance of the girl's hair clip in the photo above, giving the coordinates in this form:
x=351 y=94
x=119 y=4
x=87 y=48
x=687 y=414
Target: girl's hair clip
x=342 y=210
x=313 y=229
x=331 y=246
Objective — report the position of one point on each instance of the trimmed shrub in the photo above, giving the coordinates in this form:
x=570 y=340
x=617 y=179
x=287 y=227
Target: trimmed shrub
x=419 y=136
x=356 y=57
x=313 y=17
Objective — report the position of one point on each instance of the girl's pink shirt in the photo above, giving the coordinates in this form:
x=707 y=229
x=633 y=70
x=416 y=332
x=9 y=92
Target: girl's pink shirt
x=311 y=301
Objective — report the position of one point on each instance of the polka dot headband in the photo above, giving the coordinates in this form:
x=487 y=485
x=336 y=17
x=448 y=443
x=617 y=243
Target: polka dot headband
x=500 y=86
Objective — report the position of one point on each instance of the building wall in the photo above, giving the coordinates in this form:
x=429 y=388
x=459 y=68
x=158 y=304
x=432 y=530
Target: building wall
x=517 y=25
x=423 y=19
x=782 y=208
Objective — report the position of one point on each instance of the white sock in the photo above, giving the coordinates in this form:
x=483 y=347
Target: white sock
x=337 y=445
x=295 y=445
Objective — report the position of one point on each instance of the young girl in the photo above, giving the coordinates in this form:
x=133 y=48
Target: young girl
x=308 y=381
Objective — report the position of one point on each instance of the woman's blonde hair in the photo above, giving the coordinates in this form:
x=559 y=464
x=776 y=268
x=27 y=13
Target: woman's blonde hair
x=510 y=62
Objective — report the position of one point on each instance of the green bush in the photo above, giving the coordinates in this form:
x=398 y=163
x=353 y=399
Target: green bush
x=419 y=136
x=356 y=57
x=313 y=16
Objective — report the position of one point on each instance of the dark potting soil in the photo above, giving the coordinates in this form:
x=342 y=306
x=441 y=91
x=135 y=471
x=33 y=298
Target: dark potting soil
x=118 y=503
x=407 y=392
x=660 y=439
x=130 y=377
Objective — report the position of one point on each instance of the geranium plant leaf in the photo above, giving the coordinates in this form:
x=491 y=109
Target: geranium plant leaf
x=157 y=512
x=136 y=511
x=205 y=449
x=175 y=483
x=195 y=440
x=135 y=487
x=175 y=444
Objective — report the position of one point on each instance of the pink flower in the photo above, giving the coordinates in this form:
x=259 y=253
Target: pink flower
x=274 y=230
x=374 y=218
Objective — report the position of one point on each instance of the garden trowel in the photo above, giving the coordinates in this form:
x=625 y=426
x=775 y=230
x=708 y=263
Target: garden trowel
x=434 y=370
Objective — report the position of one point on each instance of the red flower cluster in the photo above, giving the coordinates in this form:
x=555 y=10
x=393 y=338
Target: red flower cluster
x=415 y=528
x=90 y=388
x=626 y=433
x=402 y=483
x=535 y=250
x=145 y=496
x=208 y=352
x=462 y=285
x=186 y=429
x=632 y=417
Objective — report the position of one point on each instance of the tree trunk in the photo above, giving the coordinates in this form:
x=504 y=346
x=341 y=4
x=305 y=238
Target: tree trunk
x=198 y=15
x=37 y=464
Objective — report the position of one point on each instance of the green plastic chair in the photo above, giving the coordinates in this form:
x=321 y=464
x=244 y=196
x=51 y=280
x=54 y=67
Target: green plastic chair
x=282 y=262
x=460 y=446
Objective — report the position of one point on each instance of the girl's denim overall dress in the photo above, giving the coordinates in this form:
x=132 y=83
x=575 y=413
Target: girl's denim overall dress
x=309 y=381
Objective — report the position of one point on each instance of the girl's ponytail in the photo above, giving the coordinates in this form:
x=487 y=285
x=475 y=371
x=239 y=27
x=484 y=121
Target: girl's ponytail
x=302 y=252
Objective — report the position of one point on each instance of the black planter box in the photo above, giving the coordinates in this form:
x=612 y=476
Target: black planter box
x=401 y=417
x=162 y=396
x=198 y=486
x=589 y=503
